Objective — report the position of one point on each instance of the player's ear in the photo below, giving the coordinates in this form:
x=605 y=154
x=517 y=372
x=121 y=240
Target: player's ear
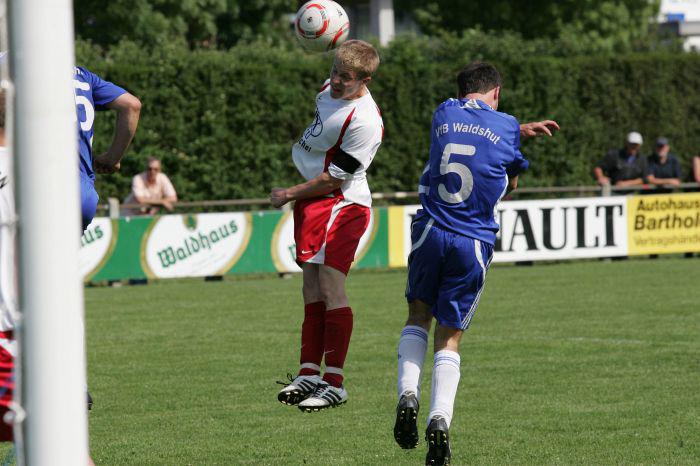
x=366 y=80
x=496 y=96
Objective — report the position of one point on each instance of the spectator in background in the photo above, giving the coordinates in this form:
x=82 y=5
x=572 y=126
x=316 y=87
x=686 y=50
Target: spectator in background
x=663 y=168
x=152 y=189
x=623 y=167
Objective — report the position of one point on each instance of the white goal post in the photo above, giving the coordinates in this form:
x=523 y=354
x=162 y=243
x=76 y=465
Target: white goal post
x=46 y=164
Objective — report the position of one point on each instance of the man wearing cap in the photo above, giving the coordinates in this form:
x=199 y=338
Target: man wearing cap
x=663 y=168
x=624 y=167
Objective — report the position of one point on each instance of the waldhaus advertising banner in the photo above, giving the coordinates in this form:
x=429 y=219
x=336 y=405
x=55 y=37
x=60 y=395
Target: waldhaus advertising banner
x=198 y=245
x=234 y=243
x=194 y=245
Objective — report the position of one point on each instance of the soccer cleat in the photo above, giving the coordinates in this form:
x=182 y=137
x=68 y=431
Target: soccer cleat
x=297 y=389
x=405 y=429
x=438 y=438
x=89 y=401
x=325 y=396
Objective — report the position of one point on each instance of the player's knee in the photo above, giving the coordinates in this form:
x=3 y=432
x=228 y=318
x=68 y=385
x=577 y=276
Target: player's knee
x=332 y=297
x=311 y=293
x=419 y=314
x=419 y=321
x=447 y=338
x=331 y=288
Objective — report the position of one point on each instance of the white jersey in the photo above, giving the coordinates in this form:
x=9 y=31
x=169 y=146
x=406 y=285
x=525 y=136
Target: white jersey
x=8 y=266
x=353 y=126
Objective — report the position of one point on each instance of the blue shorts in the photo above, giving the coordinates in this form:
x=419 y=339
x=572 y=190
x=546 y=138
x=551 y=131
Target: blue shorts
x=88 y=200
x=446 y=271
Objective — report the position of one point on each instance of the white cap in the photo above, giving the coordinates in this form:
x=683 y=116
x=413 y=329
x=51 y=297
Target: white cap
x=634 y=138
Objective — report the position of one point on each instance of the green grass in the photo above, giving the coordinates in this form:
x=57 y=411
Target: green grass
x=573 y=363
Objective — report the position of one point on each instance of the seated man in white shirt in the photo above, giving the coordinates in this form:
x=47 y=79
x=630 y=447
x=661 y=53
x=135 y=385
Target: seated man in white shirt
x=152 y=189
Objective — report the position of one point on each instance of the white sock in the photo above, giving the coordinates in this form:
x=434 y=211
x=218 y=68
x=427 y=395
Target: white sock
x=412 y=346
x=445 y=381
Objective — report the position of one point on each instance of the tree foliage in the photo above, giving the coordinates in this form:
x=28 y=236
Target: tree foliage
x=600 y=25
x=223 y=122
x=197 y=23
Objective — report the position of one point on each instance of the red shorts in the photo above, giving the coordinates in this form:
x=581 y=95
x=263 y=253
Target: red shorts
x=7 y=385
x=327 y=231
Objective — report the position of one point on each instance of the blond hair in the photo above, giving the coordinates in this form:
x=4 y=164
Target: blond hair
x=359 y=56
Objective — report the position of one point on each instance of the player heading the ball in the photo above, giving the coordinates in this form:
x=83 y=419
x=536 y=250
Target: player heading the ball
x=331 y=213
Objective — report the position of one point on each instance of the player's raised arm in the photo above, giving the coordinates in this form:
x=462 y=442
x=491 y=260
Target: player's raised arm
x=538 y=128
x=128 y=108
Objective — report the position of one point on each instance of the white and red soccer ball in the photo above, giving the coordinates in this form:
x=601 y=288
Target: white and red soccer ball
x=321 y=25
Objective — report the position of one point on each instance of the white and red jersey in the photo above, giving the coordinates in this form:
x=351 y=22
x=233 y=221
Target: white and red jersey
x=8 y=266
x=353 y=126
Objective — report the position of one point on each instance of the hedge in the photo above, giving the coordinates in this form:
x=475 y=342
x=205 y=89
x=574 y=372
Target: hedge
x=223 y=122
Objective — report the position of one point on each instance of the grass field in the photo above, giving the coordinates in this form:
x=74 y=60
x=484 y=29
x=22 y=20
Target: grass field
x=574 y=363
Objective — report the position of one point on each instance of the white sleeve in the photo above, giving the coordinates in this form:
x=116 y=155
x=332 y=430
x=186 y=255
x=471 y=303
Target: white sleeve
x=339 y=173
x=362 y=140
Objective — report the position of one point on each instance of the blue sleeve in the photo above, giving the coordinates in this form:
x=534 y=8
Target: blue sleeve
x=103 y=92
x=519 y=163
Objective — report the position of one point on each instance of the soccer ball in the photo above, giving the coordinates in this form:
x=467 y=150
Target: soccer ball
x=321 y=25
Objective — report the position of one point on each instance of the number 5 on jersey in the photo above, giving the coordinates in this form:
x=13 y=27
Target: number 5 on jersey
x=465 y=175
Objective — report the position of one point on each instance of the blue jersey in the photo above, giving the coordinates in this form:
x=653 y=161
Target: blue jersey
x=91 y=93
x=473 y=151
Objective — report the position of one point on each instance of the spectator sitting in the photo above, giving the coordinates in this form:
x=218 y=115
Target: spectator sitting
x=151 y=188
x=663 y=168
x=624 y=167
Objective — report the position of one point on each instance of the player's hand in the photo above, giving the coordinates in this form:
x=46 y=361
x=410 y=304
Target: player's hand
x=538 y=128
x=278 y=197
x=103 y=164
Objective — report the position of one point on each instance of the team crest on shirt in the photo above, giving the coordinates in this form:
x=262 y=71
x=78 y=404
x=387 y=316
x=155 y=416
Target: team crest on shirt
x=316 y=128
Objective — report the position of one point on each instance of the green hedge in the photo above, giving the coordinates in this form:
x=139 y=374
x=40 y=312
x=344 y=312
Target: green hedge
x=223 y=122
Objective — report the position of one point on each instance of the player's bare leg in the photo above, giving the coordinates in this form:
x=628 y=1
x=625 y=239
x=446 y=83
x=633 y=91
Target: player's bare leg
x=447 y=338
x=303 y=385
x=311 y=287
x=332 y=287
x=337 y=331
x=412 y=347
x=442 y=397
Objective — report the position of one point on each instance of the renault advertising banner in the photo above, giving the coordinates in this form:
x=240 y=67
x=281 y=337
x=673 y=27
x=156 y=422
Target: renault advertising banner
x=554 y=229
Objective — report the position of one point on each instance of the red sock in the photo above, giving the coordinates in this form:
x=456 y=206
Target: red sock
x=337 y=340
x=312 y=338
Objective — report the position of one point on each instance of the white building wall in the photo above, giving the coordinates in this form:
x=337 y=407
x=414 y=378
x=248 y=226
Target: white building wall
x=687 y=13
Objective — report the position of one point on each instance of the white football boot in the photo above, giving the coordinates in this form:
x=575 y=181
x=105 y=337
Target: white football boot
x=325 y=396
x=297 y=389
